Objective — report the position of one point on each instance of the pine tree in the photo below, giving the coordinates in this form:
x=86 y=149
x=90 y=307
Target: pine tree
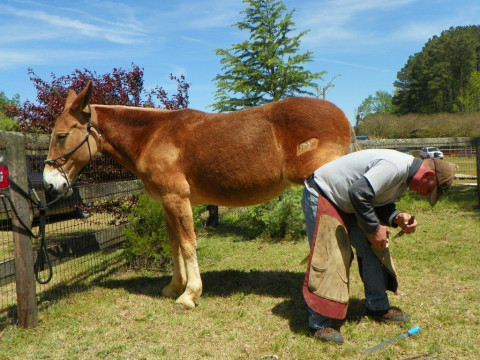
x=433 y=79
x=469 y=99
x=266 y=67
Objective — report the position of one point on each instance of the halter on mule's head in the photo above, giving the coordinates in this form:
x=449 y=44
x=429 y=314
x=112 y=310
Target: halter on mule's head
x=73 y=143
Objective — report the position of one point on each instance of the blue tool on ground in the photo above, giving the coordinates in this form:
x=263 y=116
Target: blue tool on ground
x=414 y=330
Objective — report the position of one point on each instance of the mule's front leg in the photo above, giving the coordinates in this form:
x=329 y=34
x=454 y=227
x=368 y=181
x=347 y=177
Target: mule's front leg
x=178 y=214
x=179 y=277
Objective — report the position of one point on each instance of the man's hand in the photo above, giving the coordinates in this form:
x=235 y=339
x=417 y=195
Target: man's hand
x=403 y=219
x=379 y=237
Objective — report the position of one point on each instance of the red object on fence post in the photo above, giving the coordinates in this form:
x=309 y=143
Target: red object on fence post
x=24 y=277
x=4 y=182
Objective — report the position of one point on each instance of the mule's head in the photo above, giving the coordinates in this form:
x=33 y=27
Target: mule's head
x=73 y=143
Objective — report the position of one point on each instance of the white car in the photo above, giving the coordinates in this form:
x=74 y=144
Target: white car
x=430 y=152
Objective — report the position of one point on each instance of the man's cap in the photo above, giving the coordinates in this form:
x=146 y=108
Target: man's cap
x=444 y=173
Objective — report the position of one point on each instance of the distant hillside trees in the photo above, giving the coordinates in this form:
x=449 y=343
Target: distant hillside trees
x=390 y=126
x=7 y=123
x=380 y=103
x=437 y=78
x=469 y=99
x=437 y=92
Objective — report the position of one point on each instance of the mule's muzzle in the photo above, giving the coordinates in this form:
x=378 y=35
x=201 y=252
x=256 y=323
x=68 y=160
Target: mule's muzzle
x=63 y=191
x=48 y=187
x=60 y=190
x=55 y=183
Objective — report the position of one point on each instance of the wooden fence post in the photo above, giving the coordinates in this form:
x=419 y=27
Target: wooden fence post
x=24 y=277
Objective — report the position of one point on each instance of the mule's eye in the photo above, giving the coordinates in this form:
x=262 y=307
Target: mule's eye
x=62 y=136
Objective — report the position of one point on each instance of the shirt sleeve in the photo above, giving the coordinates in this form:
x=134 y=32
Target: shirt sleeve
x=361 y=196
x=382 y=176
x=379 y=178
x=387 y=213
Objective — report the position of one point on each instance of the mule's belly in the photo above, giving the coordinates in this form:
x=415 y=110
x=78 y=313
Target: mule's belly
x=236 y=197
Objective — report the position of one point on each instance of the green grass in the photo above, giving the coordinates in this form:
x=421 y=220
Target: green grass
x=465 y=166
x=252 y=307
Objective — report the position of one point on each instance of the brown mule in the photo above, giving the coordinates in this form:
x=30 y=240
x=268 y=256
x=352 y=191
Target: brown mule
x=188 y=157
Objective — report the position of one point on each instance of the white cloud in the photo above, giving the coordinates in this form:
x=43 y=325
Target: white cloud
x=176 y=70
x=194 y=40
x=198 y=15
x=39 y=21
x=22 y=58
x=355 y=65
x=363 y=23
x=424 y=29
x=338 y=13
x=417 y=32
x=11 y=58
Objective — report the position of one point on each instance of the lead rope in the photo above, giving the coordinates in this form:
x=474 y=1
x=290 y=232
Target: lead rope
x=42 y=254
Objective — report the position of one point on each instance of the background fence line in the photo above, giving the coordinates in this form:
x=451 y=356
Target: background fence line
x=462 y=151
x=84 y=232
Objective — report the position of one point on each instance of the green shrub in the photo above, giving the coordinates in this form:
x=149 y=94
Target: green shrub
x=146 y=236
x=147 y=242
x=281 y=218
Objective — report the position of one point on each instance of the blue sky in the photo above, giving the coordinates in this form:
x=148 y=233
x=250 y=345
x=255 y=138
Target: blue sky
x=366 y=42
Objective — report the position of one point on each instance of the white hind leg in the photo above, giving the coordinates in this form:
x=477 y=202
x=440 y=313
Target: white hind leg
x=178 y=215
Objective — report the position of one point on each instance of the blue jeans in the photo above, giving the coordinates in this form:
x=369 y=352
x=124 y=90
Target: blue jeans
x=373 y=275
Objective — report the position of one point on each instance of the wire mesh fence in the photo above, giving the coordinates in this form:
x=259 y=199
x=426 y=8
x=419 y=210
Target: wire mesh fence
x=7 y=277
x=84 y=231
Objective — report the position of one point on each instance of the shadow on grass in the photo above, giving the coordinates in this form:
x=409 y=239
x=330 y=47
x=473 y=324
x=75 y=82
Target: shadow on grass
x=243 y=232
x=78 y=283
x=221 y=283
x=296 y=313
x=465 y=197
x=227 y=228
x=278 y=284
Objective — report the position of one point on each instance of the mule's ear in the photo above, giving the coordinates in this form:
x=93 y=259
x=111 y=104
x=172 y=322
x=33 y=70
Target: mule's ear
x=72 y=95
x=81 y=100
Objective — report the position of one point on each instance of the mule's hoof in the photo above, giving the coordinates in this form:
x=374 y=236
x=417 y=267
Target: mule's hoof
x=185 y=302
x=180 y=307
x=170 y=292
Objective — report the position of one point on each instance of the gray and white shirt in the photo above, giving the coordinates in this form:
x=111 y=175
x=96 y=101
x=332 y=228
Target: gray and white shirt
x=367 y=183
